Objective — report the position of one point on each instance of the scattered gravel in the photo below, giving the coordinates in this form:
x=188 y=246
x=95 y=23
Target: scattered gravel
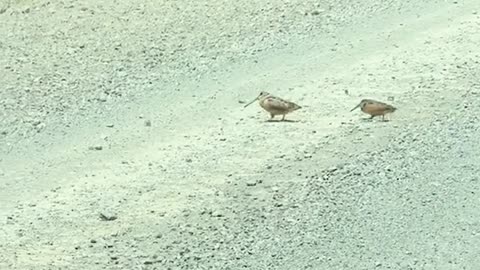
x=209 y=185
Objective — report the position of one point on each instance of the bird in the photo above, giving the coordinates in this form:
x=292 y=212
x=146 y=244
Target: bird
x=375 y=108
x=275 y=105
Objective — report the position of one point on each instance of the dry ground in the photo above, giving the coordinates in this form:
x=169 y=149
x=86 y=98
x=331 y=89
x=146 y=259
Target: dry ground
x=210 y=185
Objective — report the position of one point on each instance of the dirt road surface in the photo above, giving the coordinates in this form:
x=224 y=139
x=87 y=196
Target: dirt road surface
x=125 y=144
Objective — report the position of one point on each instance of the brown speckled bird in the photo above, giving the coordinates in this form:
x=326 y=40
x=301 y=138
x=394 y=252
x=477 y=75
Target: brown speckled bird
x=275 y=105
x=375 y=108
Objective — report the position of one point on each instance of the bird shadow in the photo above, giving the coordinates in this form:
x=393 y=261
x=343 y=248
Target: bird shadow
x=372 y=119
x=281 y=121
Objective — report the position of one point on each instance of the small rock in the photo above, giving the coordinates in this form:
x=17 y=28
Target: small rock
x=93 y=241
x=332 y=169
x=107 y=217
x=217 y=213
x=110 y=125
x=251 y=183
x=39 y=127
x=148 y=123
x=97 y=147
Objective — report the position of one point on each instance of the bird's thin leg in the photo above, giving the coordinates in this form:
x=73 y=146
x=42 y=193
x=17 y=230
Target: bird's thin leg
x=272 y=116
x=383 y=117
x=372 y=116
x=283 y=118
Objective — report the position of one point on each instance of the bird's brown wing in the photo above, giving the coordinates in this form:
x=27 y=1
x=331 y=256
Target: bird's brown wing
x=277 y=104
x=376 y=108
x=375 y=102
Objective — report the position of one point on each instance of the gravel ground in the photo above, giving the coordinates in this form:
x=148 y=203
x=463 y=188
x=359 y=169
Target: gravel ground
x=65 y=59
x=61 y=60
x=126 y=145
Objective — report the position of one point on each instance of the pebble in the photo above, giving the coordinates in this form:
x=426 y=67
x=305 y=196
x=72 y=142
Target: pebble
x=97 y=147
x=251 y=183
x=40 y=126
x=216 y=213
x=107 y=217
x=332 y=169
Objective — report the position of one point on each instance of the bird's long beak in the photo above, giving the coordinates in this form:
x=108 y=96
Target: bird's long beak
x=355 y=107
x=250 y=102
